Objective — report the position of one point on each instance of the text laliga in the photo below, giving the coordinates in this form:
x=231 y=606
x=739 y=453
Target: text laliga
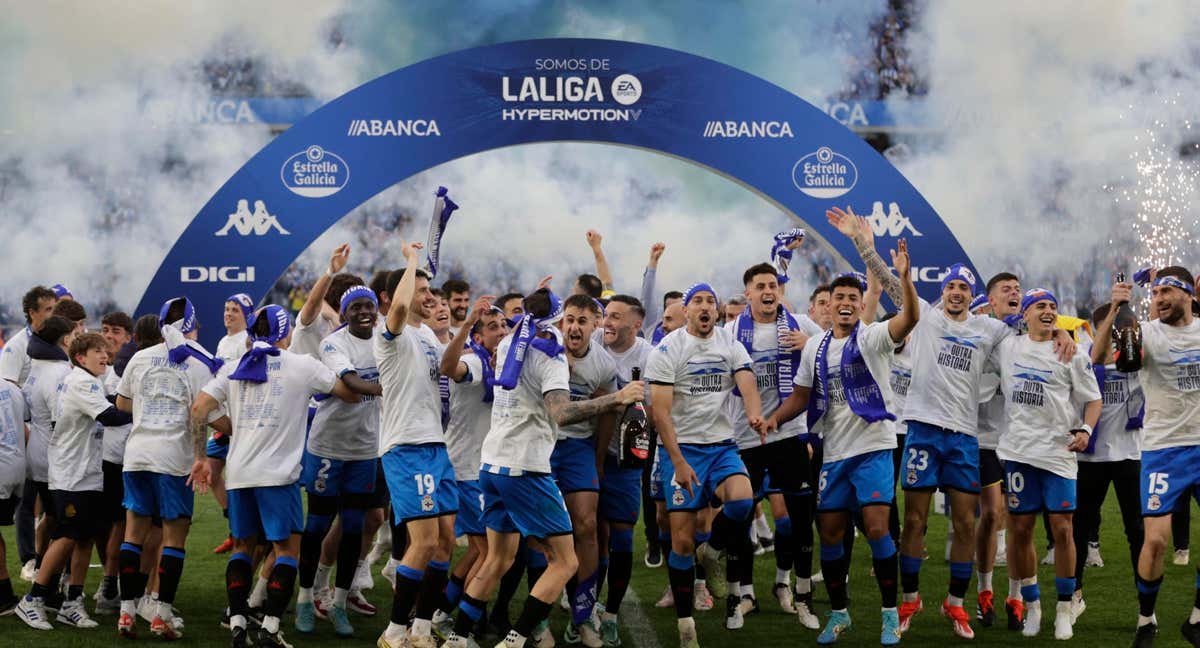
x=571 y=88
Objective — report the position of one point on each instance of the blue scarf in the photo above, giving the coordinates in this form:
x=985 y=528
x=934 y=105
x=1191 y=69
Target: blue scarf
x=489 y=375
x=253 y=366
x=525 y=336
x=781 y=256
x=179 y=348
x=442 y=208
x=787 y=361
x=658 y=334
x=862 y=392
x=1133 y=422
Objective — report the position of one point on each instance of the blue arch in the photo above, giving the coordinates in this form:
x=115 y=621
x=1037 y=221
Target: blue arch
x=614 y=92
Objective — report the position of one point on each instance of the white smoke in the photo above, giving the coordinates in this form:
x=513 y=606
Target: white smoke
x=1041 y=105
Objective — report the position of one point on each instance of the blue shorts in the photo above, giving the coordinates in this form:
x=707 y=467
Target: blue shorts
x=469 y=520
x=935 y=457
x=713 y=463
x=332 y=477
x=1168 y=475
x=274 y=511
x=855 y=482
x=656 y=489
x=573 y=465
x=151 y=494
x=620 y=492
x=217 y=449
x=529 y=504
x=421 y=482
x=1032 y=490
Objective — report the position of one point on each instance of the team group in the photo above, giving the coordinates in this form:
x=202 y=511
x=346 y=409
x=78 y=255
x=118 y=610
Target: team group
x=409 y=419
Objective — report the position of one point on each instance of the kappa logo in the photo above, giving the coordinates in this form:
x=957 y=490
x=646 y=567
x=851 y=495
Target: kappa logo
x=893 y=223
x=244 y=223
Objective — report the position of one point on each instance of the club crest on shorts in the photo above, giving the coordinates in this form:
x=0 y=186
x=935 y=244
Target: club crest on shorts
x=427 y=503
x=319 y=485
x=912 y=476
x=1153 y=503
x=1013 y=500
x=677 y=497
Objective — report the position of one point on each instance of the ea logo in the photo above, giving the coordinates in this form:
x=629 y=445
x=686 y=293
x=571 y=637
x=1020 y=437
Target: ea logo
x=626 y=89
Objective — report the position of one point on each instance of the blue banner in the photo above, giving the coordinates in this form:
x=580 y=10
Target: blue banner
x=790 y=152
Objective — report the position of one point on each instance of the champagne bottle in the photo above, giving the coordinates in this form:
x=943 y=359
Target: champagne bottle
x=1127 y=336
x=634 y=434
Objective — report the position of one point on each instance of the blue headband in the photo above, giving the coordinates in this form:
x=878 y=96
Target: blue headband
x=253 y=365
x=697 y=289
x=61 y=291
x=1174 y=282
x=243 y=302
x=962 y=273
x=862 y=278
x=1036 y=295
x=185 y=325
x=980 y=300
x=526 y=336
x=357 y=292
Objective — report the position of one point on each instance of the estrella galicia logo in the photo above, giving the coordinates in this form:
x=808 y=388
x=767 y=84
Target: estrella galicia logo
x=315 y=173
x=824 y=174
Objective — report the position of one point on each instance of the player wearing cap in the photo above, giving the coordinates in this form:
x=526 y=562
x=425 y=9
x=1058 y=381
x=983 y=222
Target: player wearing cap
x=532 y=400
x=691 y=372
x=339 y=467
x=843 y=383
x=1170 y=377
x=265 y=398
x=76 y=483
x=1041 y=434
x=774 y=338
x=161 y=457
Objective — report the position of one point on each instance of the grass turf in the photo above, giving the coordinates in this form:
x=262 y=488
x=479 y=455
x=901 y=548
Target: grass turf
x=1108 y=621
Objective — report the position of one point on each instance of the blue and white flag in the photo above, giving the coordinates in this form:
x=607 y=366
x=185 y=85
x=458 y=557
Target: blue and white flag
x=781 y=255
x=442 y=208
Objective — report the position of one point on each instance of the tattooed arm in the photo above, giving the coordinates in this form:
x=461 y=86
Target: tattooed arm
x=564 y=411
x=201 y=474
x=858 y=230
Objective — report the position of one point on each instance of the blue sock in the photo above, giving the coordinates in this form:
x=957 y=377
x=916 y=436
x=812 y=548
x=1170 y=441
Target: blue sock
x=1031 y=592
x=1065 y=587
x=882 y=548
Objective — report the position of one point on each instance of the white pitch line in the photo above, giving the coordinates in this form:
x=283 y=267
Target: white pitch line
x=641 y=632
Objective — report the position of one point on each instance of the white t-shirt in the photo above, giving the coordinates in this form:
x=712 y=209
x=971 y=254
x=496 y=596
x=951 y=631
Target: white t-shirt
x=268 y=419
x=307 y=339
x=77 y=442
x=470 y=419
x=1170 y=377
x=765 y=359
x=341 y=430
x=522 y=435
x=637 y=355
x=807 y=325
x=1123 y=399
x=947 y=360
x=1043 y=399
x=41 y=392
x=845 y=433
x=114 y=437
x=14 y=358
x=901 y=378
x=991 y=410
x=701 y=371
x=409 y=367
x=231 y=348
x=13 y=416
x=593 y=372
x=162 y=393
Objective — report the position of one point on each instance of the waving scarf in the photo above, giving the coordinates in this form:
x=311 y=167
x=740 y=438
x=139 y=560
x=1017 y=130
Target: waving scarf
x=526 y=336
x=179 y=348
x=862 y=392
x=781 y=256
x=253 y=366
x=788 y=361
x=443 y=207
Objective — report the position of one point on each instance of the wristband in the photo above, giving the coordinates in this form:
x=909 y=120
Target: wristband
x=1083 y=428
